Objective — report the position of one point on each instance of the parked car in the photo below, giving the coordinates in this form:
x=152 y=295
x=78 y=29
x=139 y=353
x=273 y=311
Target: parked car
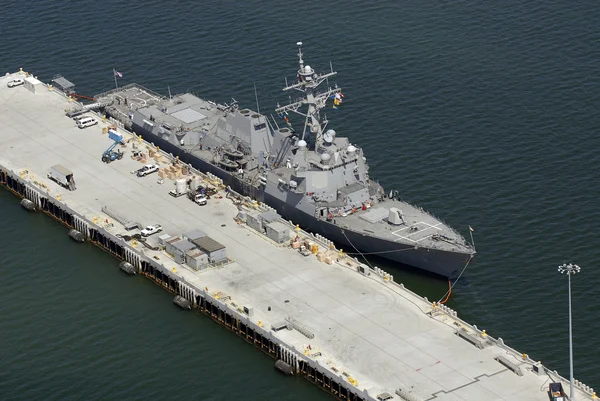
x=15 y=82
x=147 y=169
x=150 y=230
x=86 y=122
x=200 y=199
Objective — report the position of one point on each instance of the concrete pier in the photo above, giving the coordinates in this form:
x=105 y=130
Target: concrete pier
x=347 y=328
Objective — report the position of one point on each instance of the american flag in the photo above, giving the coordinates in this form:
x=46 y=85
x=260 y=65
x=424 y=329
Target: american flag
x=118 y=74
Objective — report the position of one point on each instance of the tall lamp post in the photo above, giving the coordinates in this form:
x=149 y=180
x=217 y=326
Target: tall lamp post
x=570 y=269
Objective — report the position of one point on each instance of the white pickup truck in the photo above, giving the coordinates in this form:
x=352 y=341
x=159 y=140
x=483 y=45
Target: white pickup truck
x=147 y=169
x=200 y=199
x=15 y=82
x=150 y=230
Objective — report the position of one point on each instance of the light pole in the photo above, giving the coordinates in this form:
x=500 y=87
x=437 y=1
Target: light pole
x=570 y=269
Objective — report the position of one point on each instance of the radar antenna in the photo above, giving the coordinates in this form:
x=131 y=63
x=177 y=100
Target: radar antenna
x=307 y=83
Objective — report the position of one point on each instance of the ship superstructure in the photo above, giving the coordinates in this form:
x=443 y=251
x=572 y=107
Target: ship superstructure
x=312 y=177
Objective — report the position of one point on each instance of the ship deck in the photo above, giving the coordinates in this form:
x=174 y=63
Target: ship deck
x=382 y=335
x=419 y=228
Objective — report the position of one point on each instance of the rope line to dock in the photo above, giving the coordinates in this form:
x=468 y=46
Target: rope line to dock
x=391 y=288
x=451 y=285
x=449 y=292
x=445 y=297
x=363 y=256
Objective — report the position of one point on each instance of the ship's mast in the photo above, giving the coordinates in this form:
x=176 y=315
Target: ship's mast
x=308 y=82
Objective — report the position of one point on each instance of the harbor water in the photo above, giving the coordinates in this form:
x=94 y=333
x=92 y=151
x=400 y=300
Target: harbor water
x=484 y=114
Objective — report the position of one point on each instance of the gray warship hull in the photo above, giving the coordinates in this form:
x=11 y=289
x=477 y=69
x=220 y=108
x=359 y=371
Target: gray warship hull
x=439 y=262
x=443 y=263
x=198 y=163
x=312 y=177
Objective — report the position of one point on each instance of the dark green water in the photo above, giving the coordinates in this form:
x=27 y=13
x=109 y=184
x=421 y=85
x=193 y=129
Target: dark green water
x=485 y=114
x=75 y=327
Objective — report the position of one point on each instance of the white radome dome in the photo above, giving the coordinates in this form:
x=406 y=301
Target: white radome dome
x=301 y=143
x=351 y=149
x=325 y=157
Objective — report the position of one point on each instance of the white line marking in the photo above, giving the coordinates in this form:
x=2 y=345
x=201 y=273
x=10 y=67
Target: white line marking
x=421 y=230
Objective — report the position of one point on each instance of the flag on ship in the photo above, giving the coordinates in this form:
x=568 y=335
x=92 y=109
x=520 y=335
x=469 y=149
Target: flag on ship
x=337 y=99
x=118 y=74
x=284 y=117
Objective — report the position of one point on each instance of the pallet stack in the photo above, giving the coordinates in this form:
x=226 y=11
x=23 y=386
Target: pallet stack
x=140 y=157
x=174 y=172
x=170 y=173
x=298 y=243
x=153 y=154
x=327 y=257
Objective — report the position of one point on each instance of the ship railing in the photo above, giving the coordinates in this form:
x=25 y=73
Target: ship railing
x=219 y=106
x=111 y=92
x=449 y=227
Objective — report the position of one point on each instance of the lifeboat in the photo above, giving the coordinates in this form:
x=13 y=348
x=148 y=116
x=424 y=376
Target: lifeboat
x=228 y=164
x=233 y=154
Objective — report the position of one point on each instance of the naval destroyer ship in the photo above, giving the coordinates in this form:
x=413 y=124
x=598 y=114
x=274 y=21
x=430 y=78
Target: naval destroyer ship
x=312 y=177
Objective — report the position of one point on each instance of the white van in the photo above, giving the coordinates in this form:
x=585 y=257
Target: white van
x=86 y=122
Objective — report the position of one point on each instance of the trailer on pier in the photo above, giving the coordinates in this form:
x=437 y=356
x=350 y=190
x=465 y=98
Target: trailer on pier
x=62 y=176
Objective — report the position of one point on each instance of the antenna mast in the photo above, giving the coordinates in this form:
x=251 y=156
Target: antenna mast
x=308 y=82
x=256 y=96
